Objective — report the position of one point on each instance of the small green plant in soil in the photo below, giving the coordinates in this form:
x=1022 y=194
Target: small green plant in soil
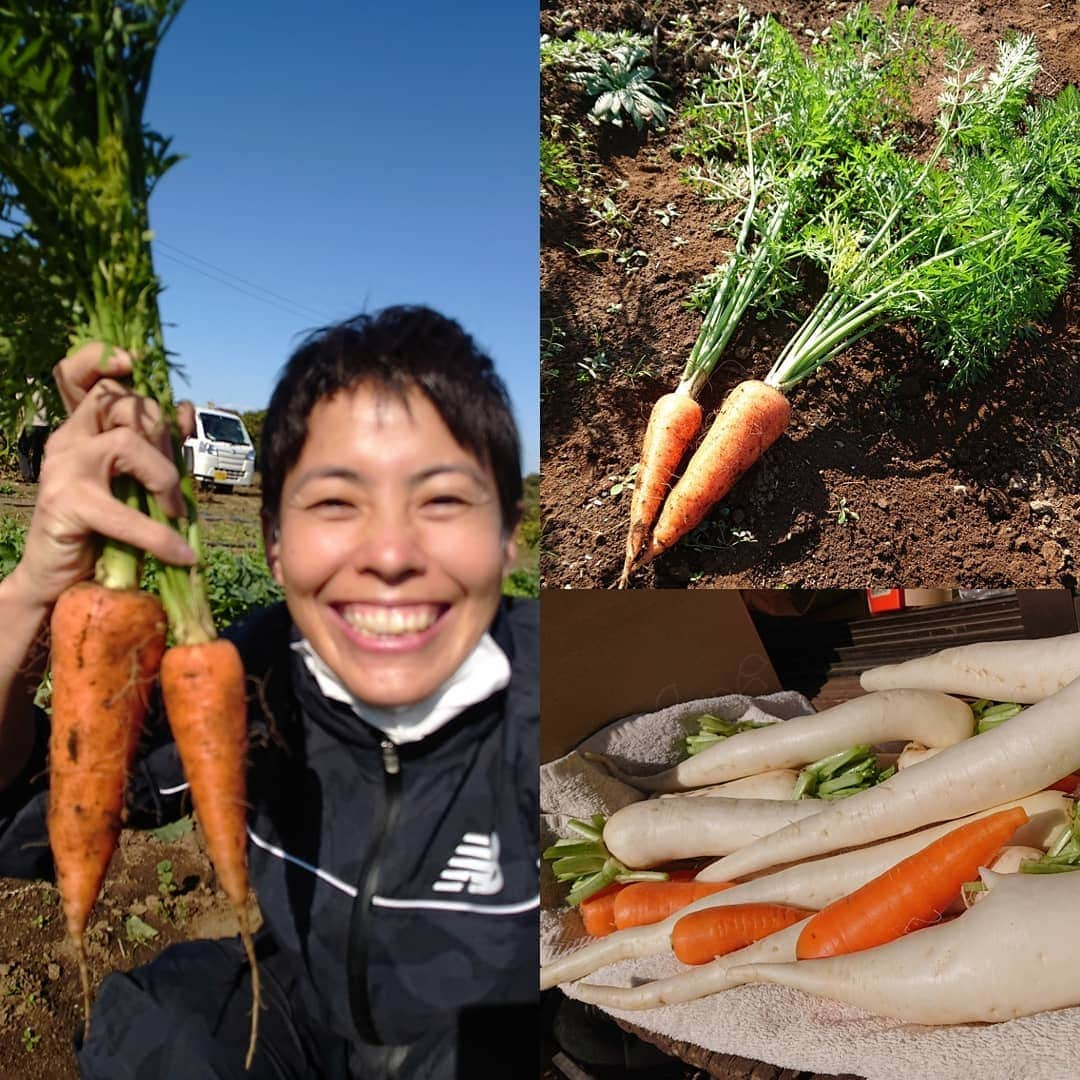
x=171 y=905
x=174 y=830
x=166 y=882
x=611 y=70
x=138 y=932
x=557 y=167
x=592 y=368
x=844 y=513
x=719 y=533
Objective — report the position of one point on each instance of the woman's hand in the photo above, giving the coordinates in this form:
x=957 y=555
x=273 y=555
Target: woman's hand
x=111 y=431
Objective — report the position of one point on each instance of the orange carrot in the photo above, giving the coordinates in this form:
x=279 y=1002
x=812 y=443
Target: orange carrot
x=673 y=423
x=702 y=936
x=203 y=689
x=598 y=911
x=106 y=648
x=910 y=895
x=642 y=903
x=752 y=417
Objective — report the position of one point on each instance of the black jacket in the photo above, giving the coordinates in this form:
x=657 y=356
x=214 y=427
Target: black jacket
x=352 y=839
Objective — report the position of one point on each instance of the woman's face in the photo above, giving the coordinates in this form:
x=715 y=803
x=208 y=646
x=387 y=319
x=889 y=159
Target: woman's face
x=391 y=548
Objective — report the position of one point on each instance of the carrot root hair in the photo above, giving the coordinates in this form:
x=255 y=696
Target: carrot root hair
x=752 y=417
x=256 y=992
x=84 y=979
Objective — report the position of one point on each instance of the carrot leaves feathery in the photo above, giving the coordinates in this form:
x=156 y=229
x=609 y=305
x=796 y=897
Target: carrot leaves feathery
x=768 y=126
x=78 y=166
x=974 y=251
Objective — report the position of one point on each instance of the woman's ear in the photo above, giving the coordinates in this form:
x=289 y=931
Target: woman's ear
x=272 y=544
x=510 y=546
x=509 y=552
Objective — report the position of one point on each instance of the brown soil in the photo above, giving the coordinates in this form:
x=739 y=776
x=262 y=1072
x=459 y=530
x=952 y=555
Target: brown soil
x=229 y=521
x=885 y=475
x=40 y=995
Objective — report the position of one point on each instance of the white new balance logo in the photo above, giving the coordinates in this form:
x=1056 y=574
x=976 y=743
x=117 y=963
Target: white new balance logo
x=475 y=865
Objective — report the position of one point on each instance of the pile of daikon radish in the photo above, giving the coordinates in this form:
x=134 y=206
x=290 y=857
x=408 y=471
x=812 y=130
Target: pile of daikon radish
x=1012 y=954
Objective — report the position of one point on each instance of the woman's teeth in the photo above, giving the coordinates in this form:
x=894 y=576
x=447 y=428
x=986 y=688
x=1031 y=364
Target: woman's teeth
x=389 y=622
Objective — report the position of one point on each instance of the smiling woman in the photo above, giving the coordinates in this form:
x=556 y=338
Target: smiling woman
x=393 y=721
x=390 y=545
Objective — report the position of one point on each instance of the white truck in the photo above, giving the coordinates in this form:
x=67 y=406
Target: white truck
x=220 y=452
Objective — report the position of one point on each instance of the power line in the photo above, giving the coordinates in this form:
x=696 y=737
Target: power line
x=224 y=279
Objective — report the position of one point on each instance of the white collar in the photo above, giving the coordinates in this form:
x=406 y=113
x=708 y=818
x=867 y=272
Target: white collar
x=483 y=672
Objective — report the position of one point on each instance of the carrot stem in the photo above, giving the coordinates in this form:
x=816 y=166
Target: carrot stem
x=119 y=565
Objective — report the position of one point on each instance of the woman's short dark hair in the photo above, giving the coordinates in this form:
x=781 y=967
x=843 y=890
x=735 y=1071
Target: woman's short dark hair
x=396 y=349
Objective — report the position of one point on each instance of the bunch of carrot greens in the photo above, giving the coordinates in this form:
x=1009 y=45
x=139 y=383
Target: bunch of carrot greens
x=769 y=125
x=972 y=252
x=80 y=164
x=971 y=244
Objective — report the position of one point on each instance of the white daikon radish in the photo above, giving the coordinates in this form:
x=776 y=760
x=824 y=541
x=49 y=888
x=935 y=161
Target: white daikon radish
x=1025 y=755
x=810 y=885
x=1015 y=953
x=1007 y=861
x=914 y=753
x=774 y=784
x=655 y=831
x=1024 y=671
x=923 y=716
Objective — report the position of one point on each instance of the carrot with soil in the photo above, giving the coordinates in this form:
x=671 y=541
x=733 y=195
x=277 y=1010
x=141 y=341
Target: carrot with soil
x=973 y=252
x=203 y=689
x=673 y=423
x=81 y=164
x=785 y=119
x=752 y=417
x=107 y=644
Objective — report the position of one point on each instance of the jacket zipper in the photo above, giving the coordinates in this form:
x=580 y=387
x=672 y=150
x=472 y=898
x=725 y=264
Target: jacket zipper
x=360 y=922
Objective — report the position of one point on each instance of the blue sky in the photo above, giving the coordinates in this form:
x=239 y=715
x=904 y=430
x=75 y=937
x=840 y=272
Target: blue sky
x=345 y=156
